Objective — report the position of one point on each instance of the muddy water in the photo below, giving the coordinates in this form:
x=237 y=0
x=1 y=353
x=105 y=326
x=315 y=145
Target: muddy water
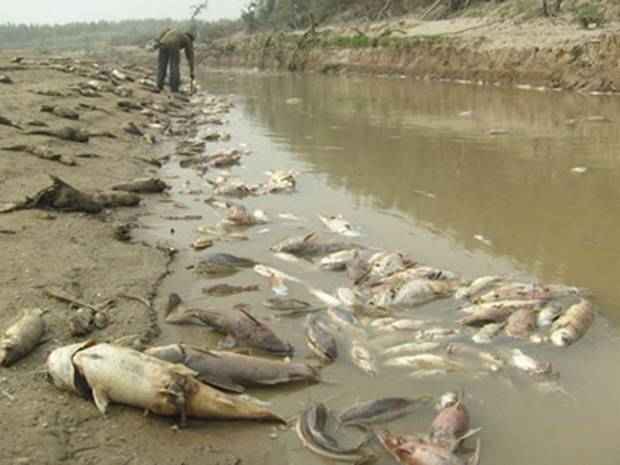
x=471 y=179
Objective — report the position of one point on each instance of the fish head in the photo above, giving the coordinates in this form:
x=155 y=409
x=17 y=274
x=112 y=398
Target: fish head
x=60 y=368
x=562 y=337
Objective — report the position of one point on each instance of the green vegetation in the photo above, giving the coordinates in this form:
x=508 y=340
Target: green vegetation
x=586 y=13
x=90 y=35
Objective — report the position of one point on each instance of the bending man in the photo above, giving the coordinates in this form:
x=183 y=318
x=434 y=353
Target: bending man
x=170 y=43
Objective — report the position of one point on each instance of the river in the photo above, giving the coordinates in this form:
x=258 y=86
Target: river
x=472 y=179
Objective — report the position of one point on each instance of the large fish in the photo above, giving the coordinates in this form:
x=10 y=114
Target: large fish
x=450 y=426
x=312 y=246
x=571 y=326
x=231 y=371
x=108 y=373
x=413 y=292
x=413 y=451
x=246 y=330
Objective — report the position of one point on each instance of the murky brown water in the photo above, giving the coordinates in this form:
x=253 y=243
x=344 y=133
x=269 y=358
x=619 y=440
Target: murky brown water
x=413 y=166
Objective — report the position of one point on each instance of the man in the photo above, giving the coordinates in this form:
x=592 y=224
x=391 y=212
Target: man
x=170 y=43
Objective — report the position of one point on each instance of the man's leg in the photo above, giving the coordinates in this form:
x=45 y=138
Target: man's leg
x=162 y=64
x=175 y=72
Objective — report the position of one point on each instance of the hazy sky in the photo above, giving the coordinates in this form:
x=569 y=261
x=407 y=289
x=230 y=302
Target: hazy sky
x=67 y=11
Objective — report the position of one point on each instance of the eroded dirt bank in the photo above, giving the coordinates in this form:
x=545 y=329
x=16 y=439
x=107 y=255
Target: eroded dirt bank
x=554 y=53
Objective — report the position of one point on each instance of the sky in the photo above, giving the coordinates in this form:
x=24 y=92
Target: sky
x=68 y=11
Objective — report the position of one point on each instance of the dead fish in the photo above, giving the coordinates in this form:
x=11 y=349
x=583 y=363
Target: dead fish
x=427 y=360
x=358 y=269
x=337 y=261
x=381 y=410
x=142 y=186
x=363 y=358
x=60 y=111
x=131 y=128
x=60 y=196
x=324 y=297
x=214 y=269
x=521 y=323
x=231 y=259
x=529 y=364
x=232 y=371
x=7 y=122
x=478 y=286
x=338 y=225
x=312 y=246
x=281 y=181
x=415 y=451
x=546 y=316
x=246 y=330
x=22 y=337
x=64 y=133
x=571 y=326
x=276 y=278
x=413 y=292
x=112 y=199
x=222 y=290
x=487 y=333
x=105 y=372
x=310 y=427
x=415 y=347
x=450 y=426
x=489 y=314
x=285 y=303
x=321 y=342
x=237 y=214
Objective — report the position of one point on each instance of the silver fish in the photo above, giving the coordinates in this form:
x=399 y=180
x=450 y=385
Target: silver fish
x=521 y=323
x=22 y=337
x=487 y=333
x=320 y=341
x=571 y=326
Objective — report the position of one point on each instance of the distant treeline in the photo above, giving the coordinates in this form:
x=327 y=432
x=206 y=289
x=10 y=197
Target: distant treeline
x=91 y=35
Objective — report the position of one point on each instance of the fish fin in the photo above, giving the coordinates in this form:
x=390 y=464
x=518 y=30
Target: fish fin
x=469 y=433
x=226 y=384
x=101 y=398
x=475 y=458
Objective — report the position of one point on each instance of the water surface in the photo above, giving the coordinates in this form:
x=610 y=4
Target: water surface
x=476 y=180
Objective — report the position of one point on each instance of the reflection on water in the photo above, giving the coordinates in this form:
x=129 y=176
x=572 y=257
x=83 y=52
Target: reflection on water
x=465 y=178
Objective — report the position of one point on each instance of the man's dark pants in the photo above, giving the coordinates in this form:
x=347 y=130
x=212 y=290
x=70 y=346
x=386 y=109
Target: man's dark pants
x=174 y=57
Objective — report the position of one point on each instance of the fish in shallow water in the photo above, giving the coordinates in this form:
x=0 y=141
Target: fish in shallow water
x=310 y=427
x=450 y=426
x=320 y=341
x=246 y=330
x=573 y=324
x=232 y=371
x=108 y=373
x=337 y=224
x=381 y=410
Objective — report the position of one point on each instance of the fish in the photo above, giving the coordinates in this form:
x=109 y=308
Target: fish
x=142 y=186
x=321 y=342
x=546 y=316
x=312 y=246
x=529 y=364
x=415 y=347
x=425 y=360
x=338 y=225
x=281 y=181
x=324 y=297
x=64 y=133
x=478 y=286
x=276 y=278
x=381 y=410
x=22 y=337
x=488 y=332
x=285 y=303
x=310 y=427
x=572 y=325
x=246 y=330
x=492 y=314
x=109 y=373
x=363 y=358
x=232 y=371
x=521 y=323
x=110 y=199
x=417 y=451
x=221 y=290
x=60 y=111
x=450 y=426
x=337 y=261
x=413 y=292
x=343 y=318
x=230 y=259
